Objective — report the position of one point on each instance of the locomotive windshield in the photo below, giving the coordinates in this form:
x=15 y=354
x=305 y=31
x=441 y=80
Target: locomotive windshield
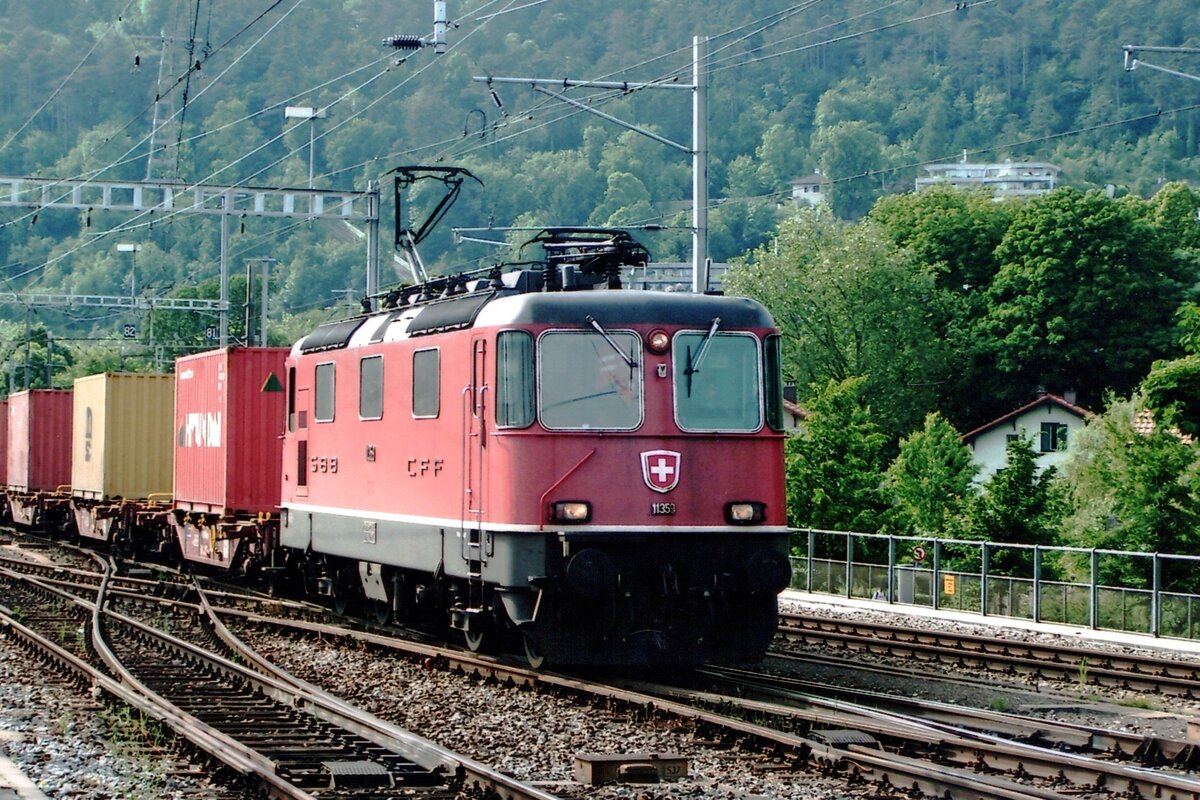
x=722 y=394
x=590 y=380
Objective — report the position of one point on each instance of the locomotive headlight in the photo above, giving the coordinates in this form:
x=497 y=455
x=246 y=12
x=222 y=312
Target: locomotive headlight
x=571 y=511
x=744 y=513
x=658 y=341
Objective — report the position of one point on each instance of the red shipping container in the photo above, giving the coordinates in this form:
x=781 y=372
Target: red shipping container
x=229 y=417
x=39 y=439
x=4 y=442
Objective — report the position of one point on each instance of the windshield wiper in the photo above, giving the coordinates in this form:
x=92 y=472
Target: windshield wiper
x=694 y=366
x=628 y=359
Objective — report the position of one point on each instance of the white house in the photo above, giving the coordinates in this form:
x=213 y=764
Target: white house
x=808 y=191
x=1009 y=179
x=1049 y=422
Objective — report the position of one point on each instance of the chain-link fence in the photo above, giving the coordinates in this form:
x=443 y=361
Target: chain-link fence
x=1147 y=593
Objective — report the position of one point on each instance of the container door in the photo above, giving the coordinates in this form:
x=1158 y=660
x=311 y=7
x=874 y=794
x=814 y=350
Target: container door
x=475 y=401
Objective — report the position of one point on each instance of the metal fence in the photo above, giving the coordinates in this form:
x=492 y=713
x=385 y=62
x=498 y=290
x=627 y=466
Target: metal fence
x=1100 y=589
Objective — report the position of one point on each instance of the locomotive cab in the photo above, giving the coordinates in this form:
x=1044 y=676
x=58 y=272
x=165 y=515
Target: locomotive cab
x=598 y=472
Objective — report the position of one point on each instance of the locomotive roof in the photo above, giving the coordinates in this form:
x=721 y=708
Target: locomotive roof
x=628 y=307
x=505 y=307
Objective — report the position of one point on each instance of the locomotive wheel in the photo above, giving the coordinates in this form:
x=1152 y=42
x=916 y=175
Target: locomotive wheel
x=479 y=640
x=382 y=611
x=533 y=653
x=345 y=589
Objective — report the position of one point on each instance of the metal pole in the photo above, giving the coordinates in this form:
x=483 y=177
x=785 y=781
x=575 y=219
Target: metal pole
x=311 y=145
x=266 y=273
x=1094 y=593
x=249 y=301
x=1156 y=597
x=891 y=569
x=935 y=590
x=700 y=164
x=224 y=313
x=1037 y=583
x=849 y=564
x=984 y=555
x=808 y=573
x=372 y=238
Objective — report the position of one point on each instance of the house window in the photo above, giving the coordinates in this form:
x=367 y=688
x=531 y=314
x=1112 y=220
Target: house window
x=370 y=388
x=426 y=383
x=324 y=398
x=1054 y=437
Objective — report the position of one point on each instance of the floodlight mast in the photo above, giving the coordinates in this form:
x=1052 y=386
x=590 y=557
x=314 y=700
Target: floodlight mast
x=698 y=149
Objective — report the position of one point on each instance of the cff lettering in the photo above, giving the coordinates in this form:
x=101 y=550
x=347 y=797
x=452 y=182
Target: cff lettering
x=201 y=430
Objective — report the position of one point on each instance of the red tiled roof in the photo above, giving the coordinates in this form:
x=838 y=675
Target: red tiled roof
x=1045 y=399
x=1144 y=424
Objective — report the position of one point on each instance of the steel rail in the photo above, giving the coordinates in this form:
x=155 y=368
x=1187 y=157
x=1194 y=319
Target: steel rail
x=867 y=764
x=1087 y=665
x=969 y=746
x=1151 y=750
x=371 y=727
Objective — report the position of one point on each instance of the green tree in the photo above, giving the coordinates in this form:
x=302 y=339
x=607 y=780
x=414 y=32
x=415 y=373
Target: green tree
x=32 y=358
x=1083 y=298
x=1172 y=389
x=851 y=304
x=848 y=152
x=835 y=467
x=1021 y=503
x=1133 y=489
x=931 y=481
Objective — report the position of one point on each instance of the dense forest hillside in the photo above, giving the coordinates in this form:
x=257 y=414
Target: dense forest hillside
x=863 y=91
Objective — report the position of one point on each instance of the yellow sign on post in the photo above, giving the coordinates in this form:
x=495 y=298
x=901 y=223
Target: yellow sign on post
x=948 y=583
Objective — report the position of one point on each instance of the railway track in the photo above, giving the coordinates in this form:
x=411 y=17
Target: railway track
x=889 y=747
x=933 y=749
x=1143 y=750
x=274 y=733
x=1064 y=663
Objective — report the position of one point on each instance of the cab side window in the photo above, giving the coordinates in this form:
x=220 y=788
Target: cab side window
x=323 y=402
x=426 y=384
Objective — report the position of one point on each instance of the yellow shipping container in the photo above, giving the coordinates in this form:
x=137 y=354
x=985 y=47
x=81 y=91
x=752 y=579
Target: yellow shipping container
x=123 y=435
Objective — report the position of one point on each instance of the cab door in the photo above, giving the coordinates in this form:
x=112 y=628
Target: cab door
x=475 y=545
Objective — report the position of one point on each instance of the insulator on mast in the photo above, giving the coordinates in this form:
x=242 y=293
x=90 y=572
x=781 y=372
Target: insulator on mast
x=404 y=41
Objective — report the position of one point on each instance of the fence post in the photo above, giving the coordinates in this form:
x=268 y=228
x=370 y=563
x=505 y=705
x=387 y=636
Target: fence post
x=1037 y=583
x=849 y=563
x=1094 y=593
x=808 y=573
x=985 y=553
x=891 y=572
x=1156 y=596
x=935 y=587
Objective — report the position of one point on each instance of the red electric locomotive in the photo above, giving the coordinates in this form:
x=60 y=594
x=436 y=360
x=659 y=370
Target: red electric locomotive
x=598 y=471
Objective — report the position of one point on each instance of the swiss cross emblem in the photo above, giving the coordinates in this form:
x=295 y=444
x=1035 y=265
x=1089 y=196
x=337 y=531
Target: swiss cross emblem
x=660 y=469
